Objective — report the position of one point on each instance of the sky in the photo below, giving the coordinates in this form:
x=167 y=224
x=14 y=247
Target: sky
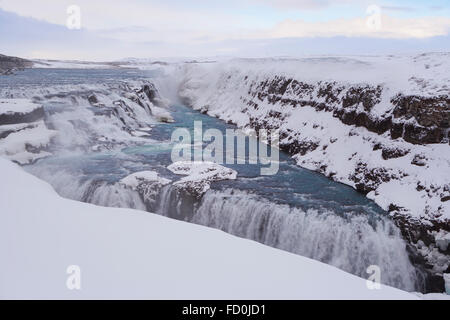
x=111 y=30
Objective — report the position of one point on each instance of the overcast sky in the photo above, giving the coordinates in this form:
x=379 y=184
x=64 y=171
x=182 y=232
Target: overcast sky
x=192 y=28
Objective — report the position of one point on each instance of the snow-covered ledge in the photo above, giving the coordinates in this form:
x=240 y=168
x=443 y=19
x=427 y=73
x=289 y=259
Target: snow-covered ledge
x=127 y=254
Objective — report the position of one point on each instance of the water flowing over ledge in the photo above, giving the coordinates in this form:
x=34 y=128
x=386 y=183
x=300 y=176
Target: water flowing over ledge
x=329 y=223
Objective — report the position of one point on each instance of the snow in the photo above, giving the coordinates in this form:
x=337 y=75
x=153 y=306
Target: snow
x=442 y=239
x=9 y=106
x=200 y=174
x=126 y=254
x=447 y=283
x=414 y=184
x=16 y=145
x=433 y=296
x=161 y=115
x=14 y=127
x=135 y=179
x=223 y=89
x=71 y=64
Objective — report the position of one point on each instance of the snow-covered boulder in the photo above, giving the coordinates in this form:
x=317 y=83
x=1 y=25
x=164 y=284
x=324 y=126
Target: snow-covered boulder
x=200 y=175
x=136 y=179
x=147 y=183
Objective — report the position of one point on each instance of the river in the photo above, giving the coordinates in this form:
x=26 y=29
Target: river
x=294 y=210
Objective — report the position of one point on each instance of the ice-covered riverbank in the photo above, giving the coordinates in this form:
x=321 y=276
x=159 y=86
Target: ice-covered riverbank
x=378 y=124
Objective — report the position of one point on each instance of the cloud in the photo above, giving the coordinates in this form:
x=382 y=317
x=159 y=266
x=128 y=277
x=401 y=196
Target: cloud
x=153 y=20
x=105 y=14
x=398 y=8
x=302 y=4
x=395 y=28
x=114 y=29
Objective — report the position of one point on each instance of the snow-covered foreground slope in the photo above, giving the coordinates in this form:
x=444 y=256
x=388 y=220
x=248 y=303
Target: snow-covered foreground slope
x=378 y=124
x=133 y=254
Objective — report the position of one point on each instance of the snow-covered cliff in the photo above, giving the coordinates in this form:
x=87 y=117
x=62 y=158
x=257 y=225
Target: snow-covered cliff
x=379 y=124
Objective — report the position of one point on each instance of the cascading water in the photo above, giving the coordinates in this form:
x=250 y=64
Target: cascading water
x=295 y=210
x=350 y=241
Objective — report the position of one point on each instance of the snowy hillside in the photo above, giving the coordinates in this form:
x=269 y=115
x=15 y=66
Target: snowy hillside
x=132 y=254
x=378 y=124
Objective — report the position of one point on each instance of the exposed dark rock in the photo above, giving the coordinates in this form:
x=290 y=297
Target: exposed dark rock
x=435 y=284
x=428 y=111
x=299 y=147
x=367 y=180
x=419 y=160
x=93 y=99
x=12 y=118
x=353 y=105
x=392 y=153
x=367 y=96
x=10 y=64
x=150 y=91
x=432 y=115
x=4 y=134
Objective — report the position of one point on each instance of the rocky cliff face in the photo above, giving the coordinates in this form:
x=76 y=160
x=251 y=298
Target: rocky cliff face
x=10 y=64
x=416 y=119
x=388 y=139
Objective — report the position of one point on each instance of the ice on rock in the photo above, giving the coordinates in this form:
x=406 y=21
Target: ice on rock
x=134 y=180
x=161 y=115
x=200 y=175
x=442 y=239
x=147 y=183
x=23 y=133
x=11 y=106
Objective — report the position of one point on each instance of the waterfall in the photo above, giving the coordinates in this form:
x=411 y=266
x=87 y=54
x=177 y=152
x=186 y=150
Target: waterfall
x=351 y=243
